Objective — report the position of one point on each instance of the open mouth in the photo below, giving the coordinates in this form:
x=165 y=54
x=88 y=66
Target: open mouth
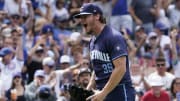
x=85 y=25
x=87 y=29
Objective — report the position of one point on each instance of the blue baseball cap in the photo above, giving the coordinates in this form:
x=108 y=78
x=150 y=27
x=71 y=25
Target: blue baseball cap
x=5 y=51
x=162 y=24
x=47 y=29
x=44 y=90
x=48 y=61
x=88 y=9
x=35 y=3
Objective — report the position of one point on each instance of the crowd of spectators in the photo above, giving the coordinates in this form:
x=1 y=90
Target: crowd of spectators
x=42 y=47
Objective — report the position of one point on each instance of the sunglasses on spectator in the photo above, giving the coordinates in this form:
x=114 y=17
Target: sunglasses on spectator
x=160 y=65
x=17 y=77
x=16 y=17
x=177 y=83
x=41 y=77
x=154 y=37
x=39 y=51
x=86 y=63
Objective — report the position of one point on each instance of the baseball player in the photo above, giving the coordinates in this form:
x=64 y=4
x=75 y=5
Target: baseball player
x=109 y=57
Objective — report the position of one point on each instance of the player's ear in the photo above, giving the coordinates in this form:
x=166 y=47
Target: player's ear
x=97 y=16
x=100 y=18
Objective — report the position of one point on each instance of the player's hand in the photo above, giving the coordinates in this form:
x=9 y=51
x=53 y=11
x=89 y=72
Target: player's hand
x=97 y=96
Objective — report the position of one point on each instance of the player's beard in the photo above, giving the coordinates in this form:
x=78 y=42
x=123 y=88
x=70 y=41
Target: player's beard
x=89 y=32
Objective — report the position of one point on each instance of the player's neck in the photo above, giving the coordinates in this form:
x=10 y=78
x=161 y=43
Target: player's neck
x=98 y=29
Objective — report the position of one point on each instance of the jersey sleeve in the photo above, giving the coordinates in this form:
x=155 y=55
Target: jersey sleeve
x=117 y=46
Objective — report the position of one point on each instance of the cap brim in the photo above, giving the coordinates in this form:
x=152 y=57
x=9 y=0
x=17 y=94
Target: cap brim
x=81 y=14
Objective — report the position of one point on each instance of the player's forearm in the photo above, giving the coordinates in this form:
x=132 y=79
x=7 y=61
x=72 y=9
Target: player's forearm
x=115 y=78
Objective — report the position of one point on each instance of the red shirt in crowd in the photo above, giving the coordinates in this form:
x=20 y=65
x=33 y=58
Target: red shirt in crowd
x=149 y=96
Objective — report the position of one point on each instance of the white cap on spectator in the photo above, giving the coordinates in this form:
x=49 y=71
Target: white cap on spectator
x=48 y=61
x=39 y=48
x=156 y=81
x=138 y=28
x=39 y=73
x=75 y=36
x=165 y=40
x=50 y=53
x=6 y=32
x=152 y=34
x=65 y=59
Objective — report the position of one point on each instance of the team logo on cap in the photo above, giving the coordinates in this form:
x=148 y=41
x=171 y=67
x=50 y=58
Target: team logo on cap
x=95 y=11
x=81 y=9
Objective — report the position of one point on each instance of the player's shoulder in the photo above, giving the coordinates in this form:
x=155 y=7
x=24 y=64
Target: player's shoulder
x=115 y=34
x=111 y=34
x=110 y=30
